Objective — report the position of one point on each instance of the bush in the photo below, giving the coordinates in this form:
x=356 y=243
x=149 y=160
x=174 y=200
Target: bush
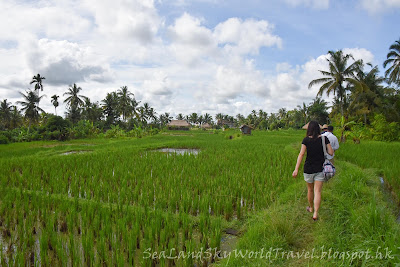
x=384 y=131
x=114 y=132
x=3 y=140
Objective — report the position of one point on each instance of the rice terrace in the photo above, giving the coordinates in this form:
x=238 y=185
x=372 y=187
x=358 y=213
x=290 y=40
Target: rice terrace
x=199 y=133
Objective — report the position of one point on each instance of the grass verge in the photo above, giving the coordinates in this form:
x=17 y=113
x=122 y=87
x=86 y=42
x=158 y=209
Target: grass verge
x=357 y=226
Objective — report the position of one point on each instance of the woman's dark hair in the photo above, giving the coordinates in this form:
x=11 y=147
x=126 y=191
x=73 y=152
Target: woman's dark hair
x=313 y=129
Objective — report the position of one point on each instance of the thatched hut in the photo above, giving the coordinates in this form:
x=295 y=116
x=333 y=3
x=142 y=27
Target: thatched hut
x=206 y=126
x=178 y=125
x=245 y=129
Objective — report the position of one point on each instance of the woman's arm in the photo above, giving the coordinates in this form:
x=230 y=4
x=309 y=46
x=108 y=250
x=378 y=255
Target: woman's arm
x=299 y=160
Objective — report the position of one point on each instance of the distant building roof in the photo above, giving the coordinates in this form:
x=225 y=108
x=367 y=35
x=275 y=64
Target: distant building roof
x=179 y=123
x=206 y=125
x=244 y=125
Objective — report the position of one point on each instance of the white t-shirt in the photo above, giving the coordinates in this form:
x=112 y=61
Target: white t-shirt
x=334 y=143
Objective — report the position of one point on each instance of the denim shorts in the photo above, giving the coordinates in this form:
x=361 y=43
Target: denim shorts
x=311 y=177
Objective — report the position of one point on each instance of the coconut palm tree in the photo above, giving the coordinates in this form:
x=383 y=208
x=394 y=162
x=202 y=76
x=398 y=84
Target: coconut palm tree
x=54 y=101
x=339 y=72
x=194 y=118
x=37 y=80
x=5 y=113
x=74 y=99
x=110 y=107
x=367 y=92
x=304 y=111
x=31 y=106
x=74 y=102
x=393 y=59
x=142 y=115
x=125 y=101
x=16 y=118
x=207 y=118
x=180 y=116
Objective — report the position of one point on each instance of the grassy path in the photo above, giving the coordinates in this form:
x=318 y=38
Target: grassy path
x=357 y=226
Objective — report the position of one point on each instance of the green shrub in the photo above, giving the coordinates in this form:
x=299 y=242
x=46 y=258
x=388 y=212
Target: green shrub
x=3 y=140
x=384 y=131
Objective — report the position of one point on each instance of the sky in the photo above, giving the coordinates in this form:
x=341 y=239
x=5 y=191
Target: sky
x=184 y=56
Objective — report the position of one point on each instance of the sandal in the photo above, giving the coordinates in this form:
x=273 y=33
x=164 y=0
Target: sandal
x=315 y=219
x=309 y=209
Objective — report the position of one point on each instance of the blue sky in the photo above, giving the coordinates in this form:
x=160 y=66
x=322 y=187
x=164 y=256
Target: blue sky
x=188 y=56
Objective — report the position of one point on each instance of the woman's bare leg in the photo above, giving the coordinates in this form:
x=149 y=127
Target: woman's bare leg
x=317 y=197
x=310 y=194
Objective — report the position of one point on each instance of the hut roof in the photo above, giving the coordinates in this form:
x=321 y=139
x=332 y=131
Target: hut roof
x=305 y=127
x=244 y=125
x=179 y=123
x=206 y=125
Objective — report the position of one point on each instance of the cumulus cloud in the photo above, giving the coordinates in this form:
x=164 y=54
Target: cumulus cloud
x=159 y=85
x=318 y=4
x=237 y=79
x=191 y=41
x=246 y=37
x=63 y=62
x=135 y=20
x=31 y=18
x=378 y=6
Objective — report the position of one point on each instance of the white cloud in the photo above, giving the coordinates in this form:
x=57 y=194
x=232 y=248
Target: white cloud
x=63 y=62
x=318 y=4
x=379 y=6
x=246 y=37
x=191 y=42
x=41 y=20
x=134 y=20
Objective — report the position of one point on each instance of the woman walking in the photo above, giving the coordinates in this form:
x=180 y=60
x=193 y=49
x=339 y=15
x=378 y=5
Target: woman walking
x=313 y=174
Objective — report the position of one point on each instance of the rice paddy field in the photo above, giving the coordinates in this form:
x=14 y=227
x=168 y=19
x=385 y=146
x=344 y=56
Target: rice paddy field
x=150 y=201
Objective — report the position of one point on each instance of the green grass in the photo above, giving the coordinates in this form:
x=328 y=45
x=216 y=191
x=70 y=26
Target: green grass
x=355 y=218
x=110 y=204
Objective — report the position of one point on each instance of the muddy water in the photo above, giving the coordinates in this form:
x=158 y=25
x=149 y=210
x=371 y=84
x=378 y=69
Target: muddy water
x=389 y=197
x=178 y=151
x=75 y=152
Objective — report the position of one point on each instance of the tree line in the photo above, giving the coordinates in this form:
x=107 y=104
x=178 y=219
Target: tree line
x=363 y=100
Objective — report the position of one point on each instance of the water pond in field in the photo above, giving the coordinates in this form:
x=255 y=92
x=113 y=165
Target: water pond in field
x=178 y=151
x=75 y=152
x=390 y=197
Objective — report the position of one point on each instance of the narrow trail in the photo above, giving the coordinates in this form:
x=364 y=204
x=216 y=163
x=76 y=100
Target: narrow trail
x=355 y=217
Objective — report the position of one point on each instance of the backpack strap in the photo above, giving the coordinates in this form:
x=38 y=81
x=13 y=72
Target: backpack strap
x=324 y=145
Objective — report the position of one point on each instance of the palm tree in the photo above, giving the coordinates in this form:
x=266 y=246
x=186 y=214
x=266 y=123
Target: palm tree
x=194 y=118
x=5 y=113
x=91 y=111
x=74 y=102
x=31 y=106
x=110 y=107
x=37 y=80
x=125 y=101
x=54 y=101
x=304 y=111
x=367 y=92
x=219 y=118
x=180 y=116
x=339 y=73
x=165 y=119
x=133 y=108
x=207 y=118
x=16 y=117
x=73 y=98
x=393 y=59
x=142 y=115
